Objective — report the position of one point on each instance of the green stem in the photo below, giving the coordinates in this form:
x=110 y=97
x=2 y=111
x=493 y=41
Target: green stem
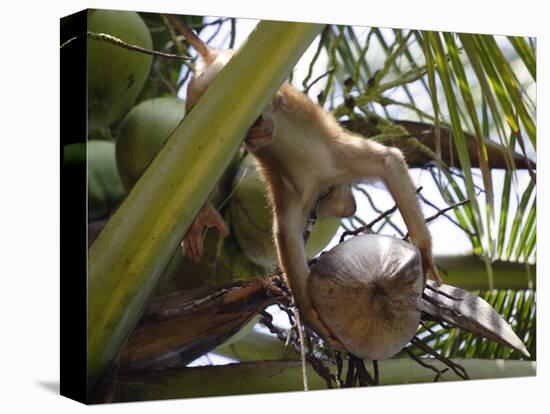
x=280 y=376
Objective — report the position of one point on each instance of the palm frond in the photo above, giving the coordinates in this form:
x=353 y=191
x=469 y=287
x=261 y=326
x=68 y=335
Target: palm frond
x=469 y=83
x=517 y=307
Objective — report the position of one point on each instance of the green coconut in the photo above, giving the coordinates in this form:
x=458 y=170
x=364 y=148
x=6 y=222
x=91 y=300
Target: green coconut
x=143 y=132
x=115 y=75
x=252 y=219
x=222 y=262
x=105 y=189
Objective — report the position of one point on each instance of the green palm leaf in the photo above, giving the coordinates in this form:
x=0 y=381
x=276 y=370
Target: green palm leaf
x=472 y=86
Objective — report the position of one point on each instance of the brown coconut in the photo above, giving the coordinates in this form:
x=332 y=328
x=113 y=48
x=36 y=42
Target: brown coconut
x=367 y=292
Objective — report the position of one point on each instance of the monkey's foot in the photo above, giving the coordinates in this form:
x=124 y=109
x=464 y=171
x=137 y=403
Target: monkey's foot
x=429 y=266
x=193 y=243
x=260 y=133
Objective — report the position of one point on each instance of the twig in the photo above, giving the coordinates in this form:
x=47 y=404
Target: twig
x=430 y=330
x=458 y=369
x=320 y=368
x=212 y=23
x=363 y=375
x=426 y=365
x=361 y=63
x=314 y=59
x=373 y=222
x=173 y=35
x=444 y=325
x=302 y=346
x=267 y=321
x=456 y=223
x=317 y=79
x=220 y=23
x=377 y=210
x=331 y=51
x=346 y=228
x=368 y=226
x=233 y=33
x=350 y=375
x=358 y=219
x=291 y=339
x=446 y=209
x=376 y=372
x=104 y=37
x=337 y=356
x=454 y=171
x=442 y=212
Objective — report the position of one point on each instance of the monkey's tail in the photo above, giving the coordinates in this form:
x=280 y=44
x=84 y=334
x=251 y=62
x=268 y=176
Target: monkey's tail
x=202 y=48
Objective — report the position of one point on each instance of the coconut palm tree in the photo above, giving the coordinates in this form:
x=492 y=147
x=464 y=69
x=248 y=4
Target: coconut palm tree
x=460 y=106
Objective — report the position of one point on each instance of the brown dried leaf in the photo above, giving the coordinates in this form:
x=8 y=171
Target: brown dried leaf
x=469 y=312
x=180 y=327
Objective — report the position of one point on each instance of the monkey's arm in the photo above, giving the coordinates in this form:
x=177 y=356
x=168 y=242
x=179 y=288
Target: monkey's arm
x=259 y=134
x=364 y=159
x=289 y=224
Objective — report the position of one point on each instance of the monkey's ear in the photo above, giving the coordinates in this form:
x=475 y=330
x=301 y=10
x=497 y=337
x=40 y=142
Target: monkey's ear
x=338 y=203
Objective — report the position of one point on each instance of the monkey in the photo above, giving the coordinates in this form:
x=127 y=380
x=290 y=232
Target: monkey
x=309 y=162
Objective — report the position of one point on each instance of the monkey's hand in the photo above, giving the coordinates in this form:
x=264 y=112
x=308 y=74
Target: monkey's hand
x=193 y=243
x=260 y=133
x=429 y=266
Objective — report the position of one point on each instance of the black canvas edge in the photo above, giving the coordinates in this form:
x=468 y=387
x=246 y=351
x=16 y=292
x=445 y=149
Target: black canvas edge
x=73 y=214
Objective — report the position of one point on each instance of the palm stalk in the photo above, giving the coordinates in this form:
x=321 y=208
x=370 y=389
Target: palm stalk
x=279 y=376
x=128 y=257
x=468 y=272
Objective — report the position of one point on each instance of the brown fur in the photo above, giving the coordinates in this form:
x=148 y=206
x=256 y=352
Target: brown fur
x=309 y=155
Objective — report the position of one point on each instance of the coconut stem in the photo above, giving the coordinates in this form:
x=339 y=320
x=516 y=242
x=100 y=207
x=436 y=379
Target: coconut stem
x=302 y=346
x=104 y=37
x=426 y=365
x=457 y=368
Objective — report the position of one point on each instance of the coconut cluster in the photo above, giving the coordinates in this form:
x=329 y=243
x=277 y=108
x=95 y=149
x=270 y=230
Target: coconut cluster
x=115 y=75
